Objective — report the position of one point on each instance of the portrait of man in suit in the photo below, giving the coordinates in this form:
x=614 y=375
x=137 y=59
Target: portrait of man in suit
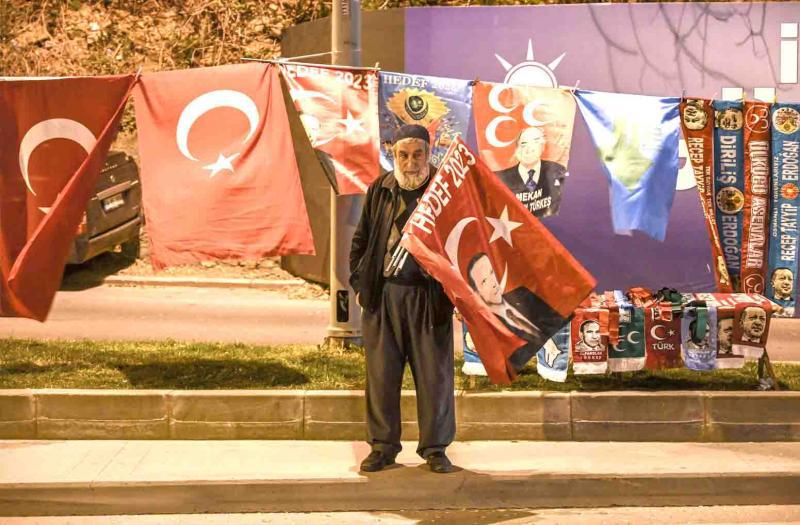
x=590 y=337
x=753 y=321
x=516 y=309
x=536 y=182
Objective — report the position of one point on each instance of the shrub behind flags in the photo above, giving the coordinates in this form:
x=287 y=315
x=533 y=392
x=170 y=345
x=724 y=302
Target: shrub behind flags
x=55 y=136
x=219 y=175
x=468 y=232
x=339 y=110
x=636 y=137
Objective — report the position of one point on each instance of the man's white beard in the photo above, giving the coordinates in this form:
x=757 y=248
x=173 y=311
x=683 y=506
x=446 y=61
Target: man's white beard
x=412 y=182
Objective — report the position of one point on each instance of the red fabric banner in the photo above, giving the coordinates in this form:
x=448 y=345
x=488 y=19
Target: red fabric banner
x=339 y=110
x=757 y=158
x=662 y=338
x=219 y=175
x=697 y=125
x=55 y=135
x=751 y=327
x=510 y=278
x=589 y=338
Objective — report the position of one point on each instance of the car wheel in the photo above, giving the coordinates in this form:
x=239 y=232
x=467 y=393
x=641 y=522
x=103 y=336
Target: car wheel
x=132 y=248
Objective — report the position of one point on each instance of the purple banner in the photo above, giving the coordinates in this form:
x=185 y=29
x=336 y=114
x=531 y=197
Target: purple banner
x=650 y=49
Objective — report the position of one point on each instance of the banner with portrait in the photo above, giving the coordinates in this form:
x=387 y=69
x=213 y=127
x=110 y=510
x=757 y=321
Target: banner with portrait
x=471 y=234
x=783 y=256
x=524 y=135
x=697 y=128
x=589 y=341
x=441 y=105
x=757 y=158
x=729 y=182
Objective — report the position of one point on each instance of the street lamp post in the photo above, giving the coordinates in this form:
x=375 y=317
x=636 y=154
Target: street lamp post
x=345 y=319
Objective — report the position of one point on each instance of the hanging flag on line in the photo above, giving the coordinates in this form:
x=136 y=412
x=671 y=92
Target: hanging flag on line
x=339 y=111
x=219 y=175
x=442 y=105
x=55 y=135
x=636 y=137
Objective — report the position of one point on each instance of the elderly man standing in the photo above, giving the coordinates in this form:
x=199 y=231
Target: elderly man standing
x=406 y=315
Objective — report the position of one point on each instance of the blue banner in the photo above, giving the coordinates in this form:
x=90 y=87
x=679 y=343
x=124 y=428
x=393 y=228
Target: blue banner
x=699 y=337
x=636 y=138
x=782 y=272
x=729 y=182
x=552 y=360
x=442 y=105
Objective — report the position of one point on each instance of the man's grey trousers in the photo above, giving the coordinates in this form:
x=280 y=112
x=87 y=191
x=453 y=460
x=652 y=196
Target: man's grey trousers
x=401 y=330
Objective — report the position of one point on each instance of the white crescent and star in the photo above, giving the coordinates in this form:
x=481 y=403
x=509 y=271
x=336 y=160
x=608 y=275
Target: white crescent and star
x=54 y=128
x=202 y=105
x=654 y=334
x=503 y=226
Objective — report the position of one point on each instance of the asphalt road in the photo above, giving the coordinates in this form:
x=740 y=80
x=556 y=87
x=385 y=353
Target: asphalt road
x=225 y=315
x=188 y=314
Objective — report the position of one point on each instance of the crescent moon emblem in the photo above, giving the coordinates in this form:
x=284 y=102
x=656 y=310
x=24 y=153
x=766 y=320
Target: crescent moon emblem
x=491 y=132
x=454 y=238
x=630 y=338
x=527 y=114
x=298 y=95
x=208 y=101
x=654 y=334
x=504 y=279
x=494 y=99
x=54 y=128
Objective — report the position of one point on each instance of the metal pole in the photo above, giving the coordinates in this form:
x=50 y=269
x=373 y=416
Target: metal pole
x=345 y=316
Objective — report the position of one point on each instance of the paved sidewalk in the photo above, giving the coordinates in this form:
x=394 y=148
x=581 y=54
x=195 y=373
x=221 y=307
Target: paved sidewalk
x=129 y=477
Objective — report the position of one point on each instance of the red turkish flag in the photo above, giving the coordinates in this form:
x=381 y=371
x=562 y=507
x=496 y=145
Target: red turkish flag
x=55 y=135
x=510 y=278
x=339 y=111
x=219 y=175
x=503 y=111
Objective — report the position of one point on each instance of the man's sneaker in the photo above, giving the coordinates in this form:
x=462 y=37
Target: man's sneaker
x=376 y=461
x=439 y=463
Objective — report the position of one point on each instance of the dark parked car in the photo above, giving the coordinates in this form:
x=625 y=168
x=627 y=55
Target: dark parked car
x=113 y=216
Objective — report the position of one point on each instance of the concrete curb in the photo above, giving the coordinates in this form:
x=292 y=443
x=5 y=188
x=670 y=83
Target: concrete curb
x=204 y=282
x=413 y=489
x=339 y=415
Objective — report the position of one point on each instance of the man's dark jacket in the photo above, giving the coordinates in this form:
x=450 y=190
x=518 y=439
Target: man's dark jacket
x=369 y=249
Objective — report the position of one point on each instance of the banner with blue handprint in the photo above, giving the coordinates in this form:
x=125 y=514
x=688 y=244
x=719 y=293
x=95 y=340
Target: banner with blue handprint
x=636 y=137
x=442 y=105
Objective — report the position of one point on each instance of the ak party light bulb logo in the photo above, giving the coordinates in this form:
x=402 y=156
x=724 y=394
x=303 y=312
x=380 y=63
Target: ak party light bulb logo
x=530 y=72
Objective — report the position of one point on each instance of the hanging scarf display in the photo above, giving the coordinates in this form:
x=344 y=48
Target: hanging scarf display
x=697 y=130
x=627 y=353
x=782 y=268
x=729 y=182
x=756 y=196
x=589 y=338
x=750 y=327
x=552 y=360
x=699 y=338
x=662 y=337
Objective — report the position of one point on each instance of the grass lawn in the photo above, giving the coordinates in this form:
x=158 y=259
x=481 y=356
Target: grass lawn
x=180 y=365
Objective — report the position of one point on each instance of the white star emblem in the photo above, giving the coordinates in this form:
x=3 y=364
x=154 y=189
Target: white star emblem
x=223 y=163
x=671 y=332
x=351 y=124
x=503 y=227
